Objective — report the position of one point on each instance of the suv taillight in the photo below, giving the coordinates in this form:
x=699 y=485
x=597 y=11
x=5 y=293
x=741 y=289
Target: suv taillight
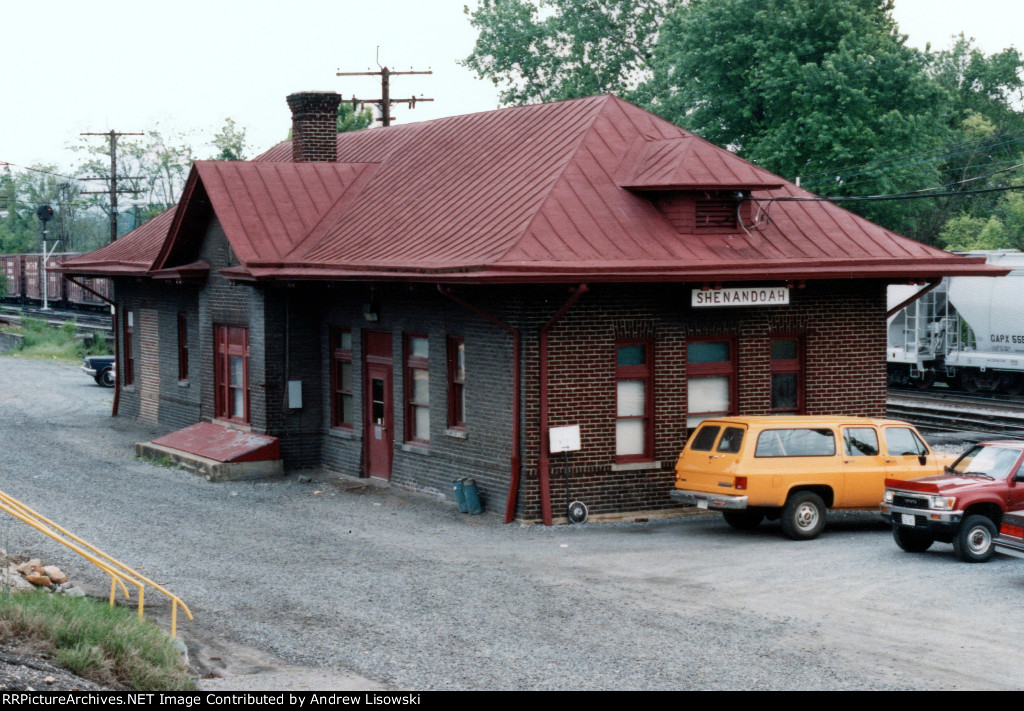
x=741 y=482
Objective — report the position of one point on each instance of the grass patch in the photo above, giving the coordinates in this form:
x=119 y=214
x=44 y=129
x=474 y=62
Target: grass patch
x=44 y=342
x=110 y=646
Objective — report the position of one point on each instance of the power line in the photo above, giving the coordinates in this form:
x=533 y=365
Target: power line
x=894 y=196
x=35 y=170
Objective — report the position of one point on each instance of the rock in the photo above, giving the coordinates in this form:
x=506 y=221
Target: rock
x=28 y=567
x=12 y=579
x=50 y=680
x=74 y=592
x=38 y=580
x=55 y=574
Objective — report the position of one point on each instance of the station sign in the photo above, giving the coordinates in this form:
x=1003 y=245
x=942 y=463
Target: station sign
x=740 y=296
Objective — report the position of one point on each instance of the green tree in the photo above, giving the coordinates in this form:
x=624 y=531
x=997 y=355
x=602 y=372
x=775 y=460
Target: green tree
x=561 y=49
x=964 y=232
x=799 y=87
x=349 y=119
x=825 y=91
x=229 y=141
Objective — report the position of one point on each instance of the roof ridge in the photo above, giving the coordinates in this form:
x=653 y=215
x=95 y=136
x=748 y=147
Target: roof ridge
x=601 y=102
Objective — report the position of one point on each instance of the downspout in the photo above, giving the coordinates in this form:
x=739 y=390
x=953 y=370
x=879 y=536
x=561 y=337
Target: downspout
x=543 y=461
x=914 y=297
x=516 y=459
x=117 y=340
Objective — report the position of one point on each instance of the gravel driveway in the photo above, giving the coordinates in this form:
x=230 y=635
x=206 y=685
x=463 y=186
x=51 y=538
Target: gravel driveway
x=381 y=587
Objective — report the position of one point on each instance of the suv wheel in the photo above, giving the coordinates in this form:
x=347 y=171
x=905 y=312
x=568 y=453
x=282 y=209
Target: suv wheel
x=974 y=542
x=803 y=516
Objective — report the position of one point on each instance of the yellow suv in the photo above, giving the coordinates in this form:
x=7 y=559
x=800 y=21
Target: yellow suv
x=795 y=468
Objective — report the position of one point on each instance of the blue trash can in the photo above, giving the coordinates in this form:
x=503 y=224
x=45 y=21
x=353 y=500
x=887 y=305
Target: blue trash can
x=460 y=495
x=473 y=504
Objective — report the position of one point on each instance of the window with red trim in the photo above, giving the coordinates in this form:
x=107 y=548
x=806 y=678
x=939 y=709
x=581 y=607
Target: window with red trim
x=182 y=347
x=456 y=383
x=787 y=371
x=231 y=373
x=634 y=401
x=417 y=388
x=128 y=376
x=342 y=409
x=710 y=379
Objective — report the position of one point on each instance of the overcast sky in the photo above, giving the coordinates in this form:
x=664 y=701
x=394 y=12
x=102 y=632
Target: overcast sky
x=73 y=66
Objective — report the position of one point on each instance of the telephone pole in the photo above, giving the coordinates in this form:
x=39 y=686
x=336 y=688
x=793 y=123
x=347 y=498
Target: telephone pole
x=385 y=100
x=113 y=178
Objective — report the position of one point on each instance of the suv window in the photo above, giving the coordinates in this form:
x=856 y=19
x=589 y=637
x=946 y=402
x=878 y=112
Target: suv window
x=799 y=442
x=704 y=440
x=731 y=440
x=860 y=442
x=900 y=441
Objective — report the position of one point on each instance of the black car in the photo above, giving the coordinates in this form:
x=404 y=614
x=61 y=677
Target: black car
x=101 y=368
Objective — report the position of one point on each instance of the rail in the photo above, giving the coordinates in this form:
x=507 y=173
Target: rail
x=119 y=572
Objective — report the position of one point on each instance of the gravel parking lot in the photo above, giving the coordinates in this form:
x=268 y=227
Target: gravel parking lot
x=368 y=586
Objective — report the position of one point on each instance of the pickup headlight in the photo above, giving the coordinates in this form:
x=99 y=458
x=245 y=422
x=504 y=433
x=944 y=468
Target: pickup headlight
x=942 y=503
x=888 y=496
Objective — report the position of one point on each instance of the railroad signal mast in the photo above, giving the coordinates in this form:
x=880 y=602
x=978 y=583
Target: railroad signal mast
x=114 y=177
x=385 y=101
x=45 y=214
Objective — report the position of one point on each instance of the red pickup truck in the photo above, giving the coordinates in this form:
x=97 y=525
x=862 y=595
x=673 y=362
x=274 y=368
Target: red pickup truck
x=964 y=506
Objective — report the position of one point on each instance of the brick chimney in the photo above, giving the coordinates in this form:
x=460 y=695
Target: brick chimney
x=314 y=126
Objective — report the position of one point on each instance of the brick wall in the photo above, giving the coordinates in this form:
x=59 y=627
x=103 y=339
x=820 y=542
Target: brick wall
x=843 y=327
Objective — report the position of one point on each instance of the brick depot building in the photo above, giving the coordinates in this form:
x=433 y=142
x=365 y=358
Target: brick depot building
x=424 y=302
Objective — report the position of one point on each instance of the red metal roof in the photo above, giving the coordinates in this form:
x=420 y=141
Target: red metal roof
x=134 y=253
x=690 y=162
x=532 y=193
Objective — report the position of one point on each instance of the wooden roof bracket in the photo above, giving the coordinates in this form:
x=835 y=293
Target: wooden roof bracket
x=932 y=283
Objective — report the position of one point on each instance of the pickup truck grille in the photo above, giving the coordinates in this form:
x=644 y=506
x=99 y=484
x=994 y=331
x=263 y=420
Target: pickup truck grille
x=910 y=502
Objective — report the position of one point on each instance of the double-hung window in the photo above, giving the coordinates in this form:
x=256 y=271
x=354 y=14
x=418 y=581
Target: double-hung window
x=787 y=371
x=634 y=401
x=710 y=379
x=417 y=388
x=342 y=403
x=456 y=383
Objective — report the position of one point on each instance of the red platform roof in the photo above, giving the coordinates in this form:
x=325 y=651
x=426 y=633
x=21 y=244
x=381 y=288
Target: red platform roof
x=222 y=444
x=563 y=191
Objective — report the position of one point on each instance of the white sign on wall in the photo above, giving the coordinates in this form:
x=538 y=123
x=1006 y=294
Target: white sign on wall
x=741 y=296
x=564 y=439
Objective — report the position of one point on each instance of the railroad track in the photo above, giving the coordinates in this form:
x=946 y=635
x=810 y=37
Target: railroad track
x=958 y=412
x=92 y=322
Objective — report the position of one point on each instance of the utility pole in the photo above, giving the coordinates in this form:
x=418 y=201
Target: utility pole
x=113 y=178
x=385 y=100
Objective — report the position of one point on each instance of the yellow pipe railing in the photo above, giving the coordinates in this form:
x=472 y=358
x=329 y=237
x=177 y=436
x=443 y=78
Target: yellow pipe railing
x=119 y=572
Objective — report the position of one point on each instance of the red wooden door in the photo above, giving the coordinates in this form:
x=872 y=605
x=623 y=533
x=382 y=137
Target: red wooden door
x=378 y=417
x=231 y=373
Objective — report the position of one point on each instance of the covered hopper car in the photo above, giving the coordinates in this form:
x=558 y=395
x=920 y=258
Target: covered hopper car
x=968 y=332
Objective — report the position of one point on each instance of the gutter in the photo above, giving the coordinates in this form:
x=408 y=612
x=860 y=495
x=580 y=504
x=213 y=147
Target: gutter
x=515 y=463
x=543 y=461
